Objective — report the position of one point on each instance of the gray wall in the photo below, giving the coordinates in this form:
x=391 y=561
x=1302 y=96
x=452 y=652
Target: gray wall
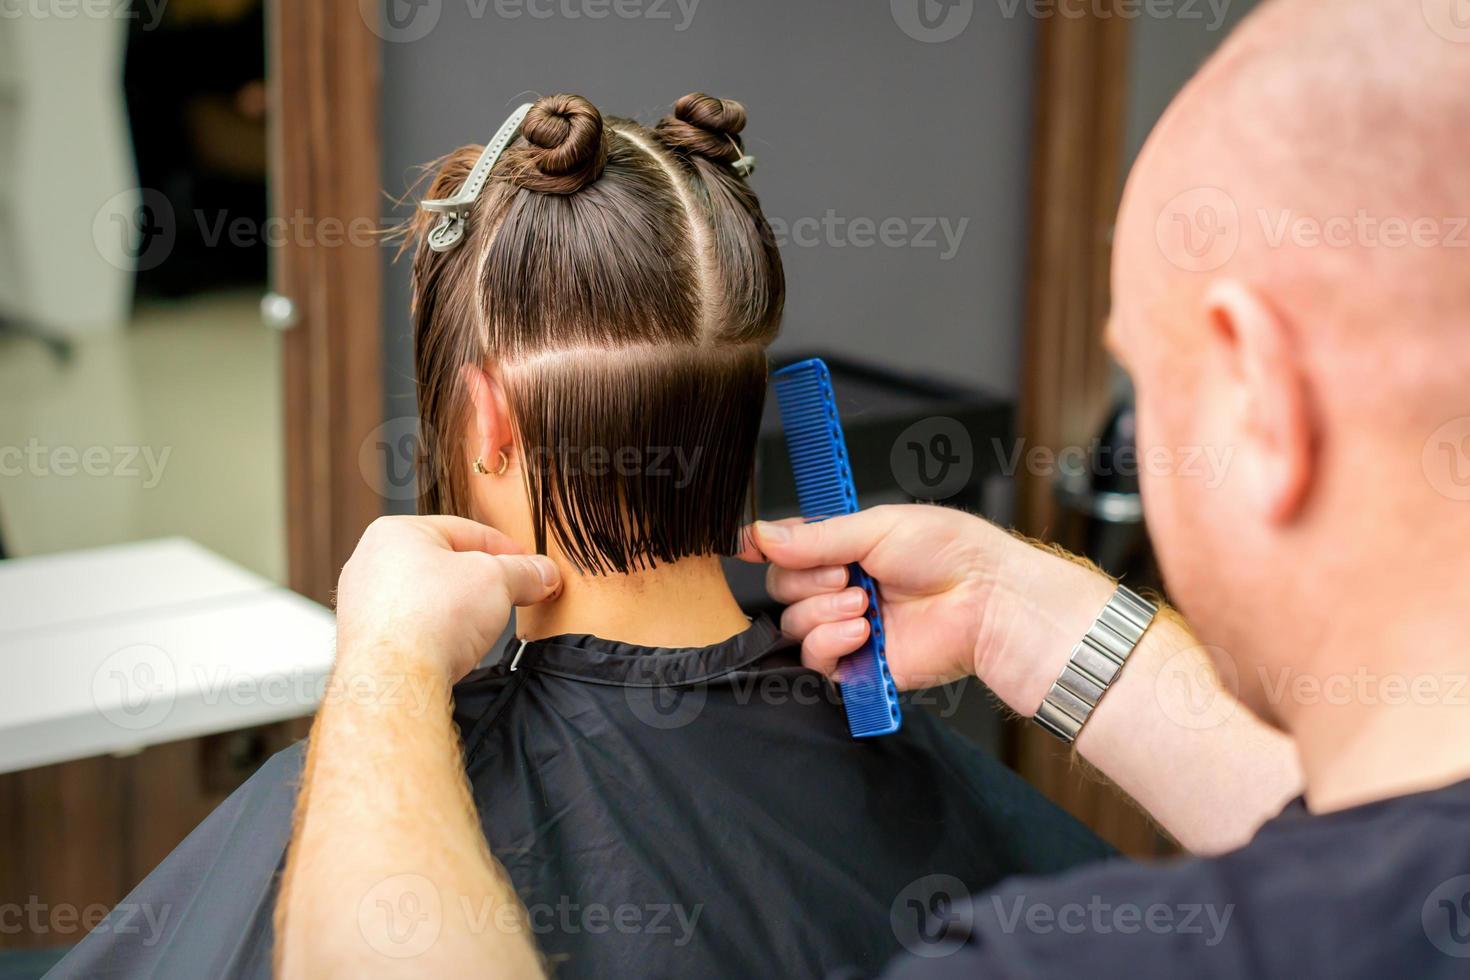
x=1165 y=53
x=848 y=115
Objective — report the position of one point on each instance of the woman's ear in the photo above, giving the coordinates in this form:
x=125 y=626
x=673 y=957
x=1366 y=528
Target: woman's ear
x=490 y=430
x=1267 y=398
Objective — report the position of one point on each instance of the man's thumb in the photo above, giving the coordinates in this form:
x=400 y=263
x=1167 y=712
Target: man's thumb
x=529 y=578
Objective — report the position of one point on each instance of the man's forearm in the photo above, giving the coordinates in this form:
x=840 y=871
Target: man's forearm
x=1168 y=731
x=388 y=871
x=1174 y=738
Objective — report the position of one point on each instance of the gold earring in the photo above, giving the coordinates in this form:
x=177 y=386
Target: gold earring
x=499 y=469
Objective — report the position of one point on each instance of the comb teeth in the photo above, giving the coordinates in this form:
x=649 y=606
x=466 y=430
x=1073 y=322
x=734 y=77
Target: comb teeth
x=824 y=488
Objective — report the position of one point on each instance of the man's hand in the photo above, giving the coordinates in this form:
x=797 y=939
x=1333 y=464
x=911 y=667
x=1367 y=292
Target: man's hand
x=385 y=813
x=438 y=589
x=960 y=597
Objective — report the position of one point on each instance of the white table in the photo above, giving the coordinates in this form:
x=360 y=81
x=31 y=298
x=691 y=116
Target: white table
x=114 y=649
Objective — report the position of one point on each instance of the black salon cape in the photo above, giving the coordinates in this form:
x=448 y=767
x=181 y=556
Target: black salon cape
x=662 y=812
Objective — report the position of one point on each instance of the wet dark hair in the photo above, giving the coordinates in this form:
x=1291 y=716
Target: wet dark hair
x=626 y=284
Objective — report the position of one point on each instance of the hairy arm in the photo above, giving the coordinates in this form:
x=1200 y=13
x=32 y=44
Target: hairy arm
x=962 y=597
x=388 y=872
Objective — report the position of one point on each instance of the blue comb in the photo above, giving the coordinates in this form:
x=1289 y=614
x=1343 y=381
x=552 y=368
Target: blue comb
x=824 y=489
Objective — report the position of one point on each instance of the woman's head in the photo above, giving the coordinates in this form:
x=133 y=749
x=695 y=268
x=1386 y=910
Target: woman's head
x=603 y=324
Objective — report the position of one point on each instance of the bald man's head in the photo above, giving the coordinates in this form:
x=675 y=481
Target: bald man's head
x=1291 y=289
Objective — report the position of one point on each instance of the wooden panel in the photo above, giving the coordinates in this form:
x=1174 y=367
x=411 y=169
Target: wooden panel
x=1076 y=180
x=324 y=78
x=1076 y=184
x=85 y=832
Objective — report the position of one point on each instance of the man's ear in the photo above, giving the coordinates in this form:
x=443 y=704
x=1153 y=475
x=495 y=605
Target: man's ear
x=489 y=424
x=1273 y=419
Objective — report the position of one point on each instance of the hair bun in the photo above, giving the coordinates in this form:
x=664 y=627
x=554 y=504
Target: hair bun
x=707 y=126
x=565 y=147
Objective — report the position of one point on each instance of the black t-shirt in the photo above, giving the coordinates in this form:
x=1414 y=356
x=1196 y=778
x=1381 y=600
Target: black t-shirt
x=1381 y=890
x=697 y=812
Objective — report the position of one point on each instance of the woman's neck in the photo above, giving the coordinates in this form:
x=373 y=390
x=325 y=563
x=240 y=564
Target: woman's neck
x=684 y=604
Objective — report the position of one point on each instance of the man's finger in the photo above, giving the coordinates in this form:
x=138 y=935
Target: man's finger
x=463 y=534
x=835 y=541
x=830 y=642
x=787 y=585
x=801 y=618
x=528 y=579
x=749 y=550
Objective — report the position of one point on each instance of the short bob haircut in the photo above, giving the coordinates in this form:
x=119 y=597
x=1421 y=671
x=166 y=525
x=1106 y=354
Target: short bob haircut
x=626 y=285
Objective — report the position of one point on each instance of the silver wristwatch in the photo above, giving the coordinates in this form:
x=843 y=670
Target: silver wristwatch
x=1095 y=661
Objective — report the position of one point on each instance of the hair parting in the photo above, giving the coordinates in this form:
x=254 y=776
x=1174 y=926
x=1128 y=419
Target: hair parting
x=625 y=284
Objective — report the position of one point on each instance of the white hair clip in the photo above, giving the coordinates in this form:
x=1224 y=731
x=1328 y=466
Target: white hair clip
x=745 y=166
x=449 y=232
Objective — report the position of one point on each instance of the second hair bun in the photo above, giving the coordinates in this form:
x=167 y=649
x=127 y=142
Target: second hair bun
x=707 y=126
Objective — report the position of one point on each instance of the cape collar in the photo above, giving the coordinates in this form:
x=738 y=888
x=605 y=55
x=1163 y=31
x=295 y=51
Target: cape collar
x=581 y=656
